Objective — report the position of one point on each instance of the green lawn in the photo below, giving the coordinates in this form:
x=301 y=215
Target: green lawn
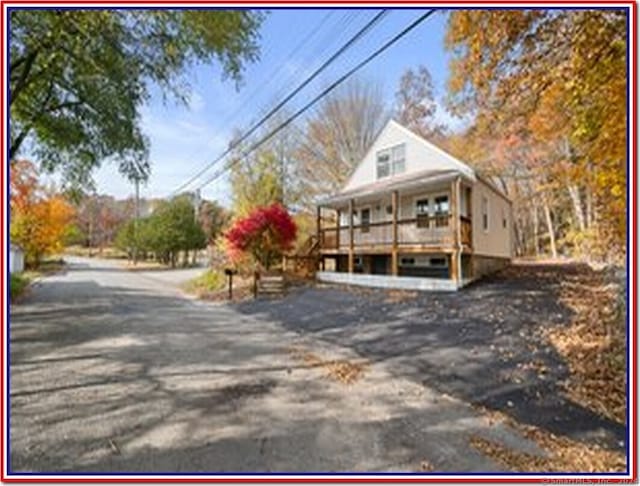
x=209 y=281
x=19 y=283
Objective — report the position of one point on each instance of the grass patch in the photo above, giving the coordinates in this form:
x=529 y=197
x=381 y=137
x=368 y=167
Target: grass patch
x=209 y=281
x=50 y=266
x=19 y=283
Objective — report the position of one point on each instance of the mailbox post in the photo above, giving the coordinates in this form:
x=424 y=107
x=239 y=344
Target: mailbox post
x=230 y=272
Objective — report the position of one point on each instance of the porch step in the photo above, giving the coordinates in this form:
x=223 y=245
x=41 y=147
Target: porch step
x=271 y=285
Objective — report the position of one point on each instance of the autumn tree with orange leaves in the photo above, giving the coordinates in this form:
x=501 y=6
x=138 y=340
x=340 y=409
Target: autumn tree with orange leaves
x=39 y=217
x=547 y=93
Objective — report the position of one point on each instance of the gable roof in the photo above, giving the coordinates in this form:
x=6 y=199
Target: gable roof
x=423 y=155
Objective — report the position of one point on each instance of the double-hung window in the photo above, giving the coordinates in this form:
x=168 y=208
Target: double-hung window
x=382 y=168
x=442 y=211
x=390 y=161
x=422 y=213
x=365 y=220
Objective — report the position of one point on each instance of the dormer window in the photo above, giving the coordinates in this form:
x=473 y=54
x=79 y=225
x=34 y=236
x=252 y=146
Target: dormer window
x=390 y=161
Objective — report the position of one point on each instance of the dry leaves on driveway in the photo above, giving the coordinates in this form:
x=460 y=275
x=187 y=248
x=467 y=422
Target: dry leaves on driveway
x=341 y=370
x=564 y=454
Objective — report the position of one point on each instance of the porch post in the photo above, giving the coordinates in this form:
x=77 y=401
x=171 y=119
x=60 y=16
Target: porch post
x=319 y=225
x=454 y=270
x=394 y=228
x=319 y=234
x=351 y=208
x=458 y=218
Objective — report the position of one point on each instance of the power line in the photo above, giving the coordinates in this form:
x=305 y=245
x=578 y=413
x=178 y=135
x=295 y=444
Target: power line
x=299 y=88
x=245 y=100
x=325 y=92
x=274 y=74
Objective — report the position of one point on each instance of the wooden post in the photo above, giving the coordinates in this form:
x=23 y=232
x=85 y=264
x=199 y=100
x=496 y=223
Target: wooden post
x=319 y=226
x=394 y=229
x=338 y=229
x=453 y=265
x=256 y=277
x=454 y=211
x=350 y=263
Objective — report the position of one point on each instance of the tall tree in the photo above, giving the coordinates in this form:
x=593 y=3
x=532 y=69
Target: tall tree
x=337 y=136
x=256 y=181
x=213 y=218
x=416 y=105
x=39 y=217
x=555 y=81
x=79 y=77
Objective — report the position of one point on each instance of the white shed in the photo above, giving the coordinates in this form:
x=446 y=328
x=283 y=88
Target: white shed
x=16 y=259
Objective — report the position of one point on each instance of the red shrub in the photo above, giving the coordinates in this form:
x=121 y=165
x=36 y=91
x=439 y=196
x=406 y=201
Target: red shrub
x=265 y=234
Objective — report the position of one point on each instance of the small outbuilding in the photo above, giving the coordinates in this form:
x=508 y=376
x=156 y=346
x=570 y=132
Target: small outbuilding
x=16 y=259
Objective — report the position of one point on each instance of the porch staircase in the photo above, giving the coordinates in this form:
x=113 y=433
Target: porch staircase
x=304 y=263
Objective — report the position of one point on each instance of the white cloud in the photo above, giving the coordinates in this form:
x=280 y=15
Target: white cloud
x=181 y=144
x=196 y=102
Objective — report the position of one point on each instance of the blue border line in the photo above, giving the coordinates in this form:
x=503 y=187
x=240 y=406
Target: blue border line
x=627 y=307
x=8 y=242
x=303 y=474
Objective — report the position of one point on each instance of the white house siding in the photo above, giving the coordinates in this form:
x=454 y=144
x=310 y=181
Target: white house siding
x=496 y=242
x=407 y=233
x=420 y=155
x=16 y=260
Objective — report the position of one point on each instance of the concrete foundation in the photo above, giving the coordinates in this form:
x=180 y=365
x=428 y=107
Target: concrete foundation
x=388 y=281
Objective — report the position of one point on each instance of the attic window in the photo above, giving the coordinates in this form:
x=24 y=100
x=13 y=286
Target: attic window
x=390 y=161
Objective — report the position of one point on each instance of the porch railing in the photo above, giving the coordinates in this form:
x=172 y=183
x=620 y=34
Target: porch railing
x=426 y=230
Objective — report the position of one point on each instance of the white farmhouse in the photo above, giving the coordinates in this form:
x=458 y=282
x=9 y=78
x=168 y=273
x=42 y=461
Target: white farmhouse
x=413 y=216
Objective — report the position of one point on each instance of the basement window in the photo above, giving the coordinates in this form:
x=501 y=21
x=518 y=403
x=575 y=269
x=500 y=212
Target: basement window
x=406 y=261
x=437 y=262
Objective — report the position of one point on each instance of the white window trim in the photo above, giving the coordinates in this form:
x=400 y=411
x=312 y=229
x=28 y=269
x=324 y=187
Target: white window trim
x=359 y=210
x=390 y=150
x=378 y=152
x=432 y=201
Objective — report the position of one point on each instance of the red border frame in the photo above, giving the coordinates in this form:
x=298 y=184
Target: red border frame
x=631 y=178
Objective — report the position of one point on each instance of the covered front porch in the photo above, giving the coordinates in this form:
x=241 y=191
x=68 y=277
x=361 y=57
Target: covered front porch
x=418 y=228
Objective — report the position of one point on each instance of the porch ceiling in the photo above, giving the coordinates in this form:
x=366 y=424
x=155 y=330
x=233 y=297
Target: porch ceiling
x=406 y=182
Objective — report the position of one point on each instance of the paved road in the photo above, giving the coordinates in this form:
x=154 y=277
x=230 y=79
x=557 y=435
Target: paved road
x=117 y=371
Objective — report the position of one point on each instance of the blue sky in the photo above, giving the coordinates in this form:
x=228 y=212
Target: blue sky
x=293 y=44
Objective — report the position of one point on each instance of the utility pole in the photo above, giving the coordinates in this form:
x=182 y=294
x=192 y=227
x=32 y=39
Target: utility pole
x=196 y=202
x=196 y=205
x=135 y=221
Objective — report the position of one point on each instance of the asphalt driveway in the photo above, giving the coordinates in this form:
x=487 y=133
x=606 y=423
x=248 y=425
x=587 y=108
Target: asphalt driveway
x=117 y=371
x=482 y=345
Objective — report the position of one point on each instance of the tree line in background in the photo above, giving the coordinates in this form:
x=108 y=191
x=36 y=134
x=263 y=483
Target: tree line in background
x=174 y=228
x=543 y=96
